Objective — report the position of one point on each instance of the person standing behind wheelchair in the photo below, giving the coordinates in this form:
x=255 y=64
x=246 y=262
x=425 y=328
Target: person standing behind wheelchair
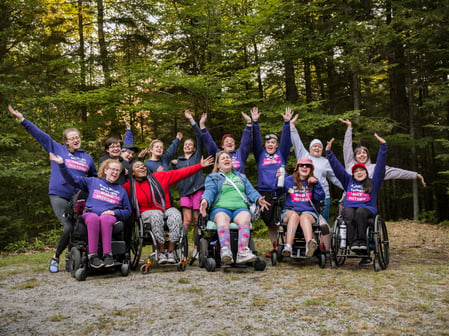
x=107 y=202
x=227 y=204
x=360 y=203
x=149 y=194
x=301 y=189
x=269 y=158
x=61 y=192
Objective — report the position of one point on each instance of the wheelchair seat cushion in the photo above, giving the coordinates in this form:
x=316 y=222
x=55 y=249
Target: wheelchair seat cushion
x=212 y=226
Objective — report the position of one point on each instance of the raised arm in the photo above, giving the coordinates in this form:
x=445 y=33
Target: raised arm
x=298 y=146
x=43 y=138
x=348 y=152
x=286 y=141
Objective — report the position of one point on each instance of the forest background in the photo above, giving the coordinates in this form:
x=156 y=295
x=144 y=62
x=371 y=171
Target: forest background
x=91 y=63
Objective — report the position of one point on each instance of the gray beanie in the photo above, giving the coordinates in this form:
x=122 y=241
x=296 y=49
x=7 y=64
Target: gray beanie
x=314 y=142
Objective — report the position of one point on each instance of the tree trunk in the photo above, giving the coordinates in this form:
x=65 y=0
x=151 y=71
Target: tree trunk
x=290 y=86
x=102 y=42
x=82 y=58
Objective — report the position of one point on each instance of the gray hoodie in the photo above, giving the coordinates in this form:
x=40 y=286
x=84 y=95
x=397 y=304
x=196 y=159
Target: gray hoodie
x=322 y=169
x=391 y=173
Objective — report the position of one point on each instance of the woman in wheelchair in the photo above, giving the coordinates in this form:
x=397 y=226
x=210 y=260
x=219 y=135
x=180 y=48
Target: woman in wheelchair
x=302 y=189
x=361 y=194
x=107 y=202
x=149 y=194
x=227 y=194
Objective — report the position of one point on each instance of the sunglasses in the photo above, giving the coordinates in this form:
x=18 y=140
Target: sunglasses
x=304 y=165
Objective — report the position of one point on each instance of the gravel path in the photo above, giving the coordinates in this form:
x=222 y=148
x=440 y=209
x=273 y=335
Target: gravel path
x=409 y=298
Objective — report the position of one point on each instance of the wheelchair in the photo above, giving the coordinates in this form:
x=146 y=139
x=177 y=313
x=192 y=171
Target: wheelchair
x=377 y=244
x=209 y=246
x=141 y=236
x=299 y=245
x=77 y=250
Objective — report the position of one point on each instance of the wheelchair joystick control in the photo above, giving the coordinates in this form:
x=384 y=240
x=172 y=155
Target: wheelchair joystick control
x=281 y=177
x=342 y=235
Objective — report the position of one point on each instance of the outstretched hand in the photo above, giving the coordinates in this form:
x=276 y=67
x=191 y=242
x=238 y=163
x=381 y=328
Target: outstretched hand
x=255 y=114
x=189 y=116
x=347 y=122
x=288 y=114
x=381 y=140
x=246 y=117
x=203 y=208
x=16 y=113
x=293 y=121
x=209 y=161
x=203 y=120
x=421 y=179
x=264 y=205
x=179 y=135
x=127 y=124
x=329 y=144
x=56 y=158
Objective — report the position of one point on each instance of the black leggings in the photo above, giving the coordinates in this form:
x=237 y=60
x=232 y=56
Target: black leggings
x=59 y=205
x=356 y=220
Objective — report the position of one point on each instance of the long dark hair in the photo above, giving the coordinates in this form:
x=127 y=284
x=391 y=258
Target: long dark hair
x=367 y=184
x=157 y=193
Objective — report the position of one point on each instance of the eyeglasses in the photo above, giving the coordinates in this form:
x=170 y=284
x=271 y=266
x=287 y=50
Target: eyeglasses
x=115 y=146
x=304 y=165
x=74 y=138
x=115 y=170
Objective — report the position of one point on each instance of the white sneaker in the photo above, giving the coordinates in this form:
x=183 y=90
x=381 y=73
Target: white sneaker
x=226 y=256
x=171 y=258
x=162 y=258
x=287 y=250
x=311 y=247
x=245 y=256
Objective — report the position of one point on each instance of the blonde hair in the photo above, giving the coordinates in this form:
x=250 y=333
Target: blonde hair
x=68 y=130
x=152 y=143
x=217 y=157
x=105 y=165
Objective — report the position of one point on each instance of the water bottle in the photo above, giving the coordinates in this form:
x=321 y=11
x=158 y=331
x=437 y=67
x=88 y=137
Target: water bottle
x=342 y=235
x=281 y=177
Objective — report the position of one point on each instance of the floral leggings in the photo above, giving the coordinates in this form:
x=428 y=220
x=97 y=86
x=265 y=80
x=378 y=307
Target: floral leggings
x=155 y=218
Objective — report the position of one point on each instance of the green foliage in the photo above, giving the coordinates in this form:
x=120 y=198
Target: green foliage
x=324 y=59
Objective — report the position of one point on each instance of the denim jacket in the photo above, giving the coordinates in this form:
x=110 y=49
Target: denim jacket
x=214 y=183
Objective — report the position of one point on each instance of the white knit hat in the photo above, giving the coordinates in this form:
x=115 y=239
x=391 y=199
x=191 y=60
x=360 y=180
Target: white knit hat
x=314 y=142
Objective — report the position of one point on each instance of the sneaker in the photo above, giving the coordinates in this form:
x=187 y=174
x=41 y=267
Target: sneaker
x=366 y=261
x=245 y=256
x=170 y=258
x=95 y=262
x=108 y=260
x=362 y=246
x=287 y=250
x=355 y=247
x=162 y=258
x=54 y=265
x=311 y=247
x=226 y=256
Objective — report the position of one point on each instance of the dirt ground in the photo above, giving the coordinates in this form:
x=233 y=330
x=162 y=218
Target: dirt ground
x=411 y=297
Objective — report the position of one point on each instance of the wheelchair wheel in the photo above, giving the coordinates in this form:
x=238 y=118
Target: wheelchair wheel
x=323 y=260
x=382 y=251
x=75 y=260
x=259 y=264
x=210 y=264
x=338 y=254
x=124 y=269
x=81 y=274
x=182 y=247
x=136 y=244
x=274 y=258
x=203 y=248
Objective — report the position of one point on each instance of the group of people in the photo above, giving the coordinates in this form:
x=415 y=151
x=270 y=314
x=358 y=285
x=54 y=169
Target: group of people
x=123 y=187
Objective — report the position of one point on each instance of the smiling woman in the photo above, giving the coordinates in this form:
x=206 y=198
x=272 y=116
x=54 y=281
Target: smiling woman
x=60 y=192
x=106 y=203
